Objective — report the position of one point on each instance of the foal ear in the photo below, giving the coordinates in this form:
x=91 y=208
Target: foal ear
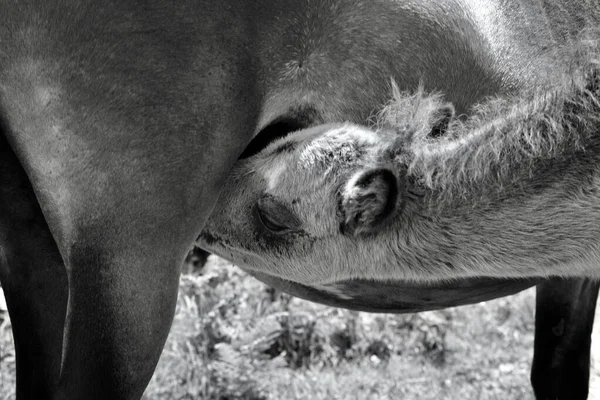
x=367 y=200
x=444 y=115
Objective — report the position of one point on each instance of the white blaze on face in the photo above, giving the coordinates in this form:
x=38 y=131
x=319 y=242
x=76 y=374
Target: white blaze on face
x=342 y=143
x=273 y=173
x=311 y=155
x=361 y=135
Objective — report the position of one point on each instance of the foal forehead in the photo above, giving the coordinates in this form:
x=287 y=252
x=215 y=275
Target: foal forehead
x=347 y=134
x=340 y=146
x=305 y=155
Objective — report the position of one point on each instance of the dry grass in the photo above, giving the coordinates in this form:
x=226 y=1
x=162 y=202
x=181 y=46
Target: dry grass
x=234 y=338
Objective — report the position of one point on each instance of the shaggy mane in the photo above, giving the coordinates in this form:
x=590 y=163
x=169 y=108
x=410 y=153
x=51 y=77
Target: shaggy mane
x=505 y=142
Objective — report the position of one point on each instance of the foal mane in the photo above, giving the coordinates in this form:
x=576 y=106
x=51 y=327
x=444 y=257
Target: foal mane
x=506 y=143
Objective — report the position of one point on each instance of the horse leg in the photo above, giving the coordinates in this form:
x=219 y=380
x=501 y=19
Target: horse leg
x=120 y=247
x=126 y=140
x=123 y=269
x=563 y=326
x=33 y=279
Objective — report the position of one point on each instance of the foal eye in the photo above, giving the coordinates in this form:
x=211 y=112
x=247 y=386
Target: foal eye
x=276 y=217
x=271 y=223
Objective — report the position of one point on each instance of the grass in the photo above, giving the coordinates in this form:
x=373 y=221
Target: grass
x=235 y=338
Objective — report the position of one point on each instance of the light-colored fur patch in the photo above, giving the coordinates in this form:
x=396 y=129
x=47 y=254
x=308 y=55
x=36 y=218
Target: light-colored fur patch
x=272 y=175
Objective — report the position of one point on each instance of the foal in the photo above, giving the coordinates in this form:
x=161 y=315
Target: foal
x=497 y=195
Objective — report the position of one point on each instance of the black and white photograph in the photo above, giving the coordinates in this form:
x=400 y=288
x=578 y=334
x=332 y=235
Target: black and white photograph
x=299 y=199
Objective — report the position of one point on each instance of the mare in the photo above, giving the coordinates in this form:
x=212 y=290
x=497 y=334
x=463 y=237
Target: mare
x=119 y=121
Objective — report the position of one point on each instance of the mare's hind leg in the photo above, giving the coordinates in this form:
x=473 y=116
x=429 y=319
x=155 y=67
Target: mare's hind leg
x=563 y=326
x=34 y=282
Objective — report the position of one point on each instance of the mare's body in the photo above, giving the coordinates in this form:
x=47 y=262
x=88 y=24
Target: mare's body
x=121 y=119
